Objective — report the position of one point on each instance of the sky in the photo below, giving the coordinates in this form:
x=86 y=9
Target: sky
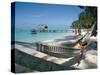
x=32 y=14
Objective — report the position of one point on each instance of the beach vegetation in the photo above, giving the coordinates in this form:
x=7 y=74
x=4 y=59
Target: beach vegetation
x=86 y=20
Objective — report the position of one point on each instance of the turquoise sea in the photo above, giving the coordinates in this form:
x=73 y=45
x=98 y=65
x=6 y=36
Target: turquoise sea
x=24 y=35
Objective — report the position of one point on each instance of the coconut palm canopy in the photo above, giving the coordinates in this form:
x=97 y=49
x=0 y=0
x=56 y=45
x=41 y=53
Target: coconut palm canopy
x=86 y=19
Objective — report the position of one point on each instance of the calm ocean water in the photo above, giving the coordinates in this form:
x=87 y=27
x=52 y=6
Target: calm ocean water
x=24 y=35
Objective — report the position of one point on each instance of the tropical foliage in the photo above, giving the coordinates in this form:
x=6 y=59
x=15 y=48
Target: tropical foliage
x=86 y=19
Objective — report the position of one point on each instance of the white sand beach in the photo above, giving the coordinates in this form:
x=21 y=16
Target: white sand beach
x=90 y=60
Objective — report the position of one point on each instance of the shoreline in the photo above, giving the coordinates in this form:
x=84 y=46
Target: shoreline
x=90 y=56
x=66 y=37
x=42 y=37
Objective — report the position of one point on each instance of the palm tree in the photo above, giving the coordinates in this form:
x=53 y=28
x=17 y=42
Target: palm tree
x=86 y=19
x=76 y=26
x=93 y=11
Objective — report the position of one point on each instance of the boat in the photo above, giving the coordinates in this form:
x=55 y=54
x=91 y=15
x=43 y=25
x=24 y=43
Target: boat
x=33 y=31
x=53 y=58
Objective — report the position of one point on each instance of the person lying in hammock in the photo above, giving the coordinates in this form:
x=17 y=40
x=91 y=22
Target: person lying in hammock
x=82 y=46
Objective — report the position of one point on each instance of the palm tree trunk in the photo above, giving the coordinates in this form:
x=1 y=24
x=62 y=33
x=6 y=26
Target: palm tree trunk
x=75 y=32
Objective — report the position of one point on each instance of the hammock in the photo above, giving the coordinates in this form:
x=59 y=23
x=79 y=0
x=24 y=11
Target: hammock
x=63 y=51
x=85 y=38
x=84 y=50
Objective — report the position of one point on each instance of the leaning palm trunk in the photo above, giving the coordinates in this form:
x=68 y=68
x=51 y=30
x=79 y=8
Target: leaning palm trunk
x=87 y=29
x=79 y=31
x=75 y=32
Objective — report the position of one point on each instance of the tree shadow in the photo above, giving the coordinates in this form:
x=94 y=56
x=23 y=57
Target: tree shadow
x=73 y=60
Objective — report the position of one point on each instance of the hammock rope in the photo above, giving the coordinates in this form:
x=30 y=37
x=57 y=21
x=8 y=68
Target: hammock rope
x=85 y=45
